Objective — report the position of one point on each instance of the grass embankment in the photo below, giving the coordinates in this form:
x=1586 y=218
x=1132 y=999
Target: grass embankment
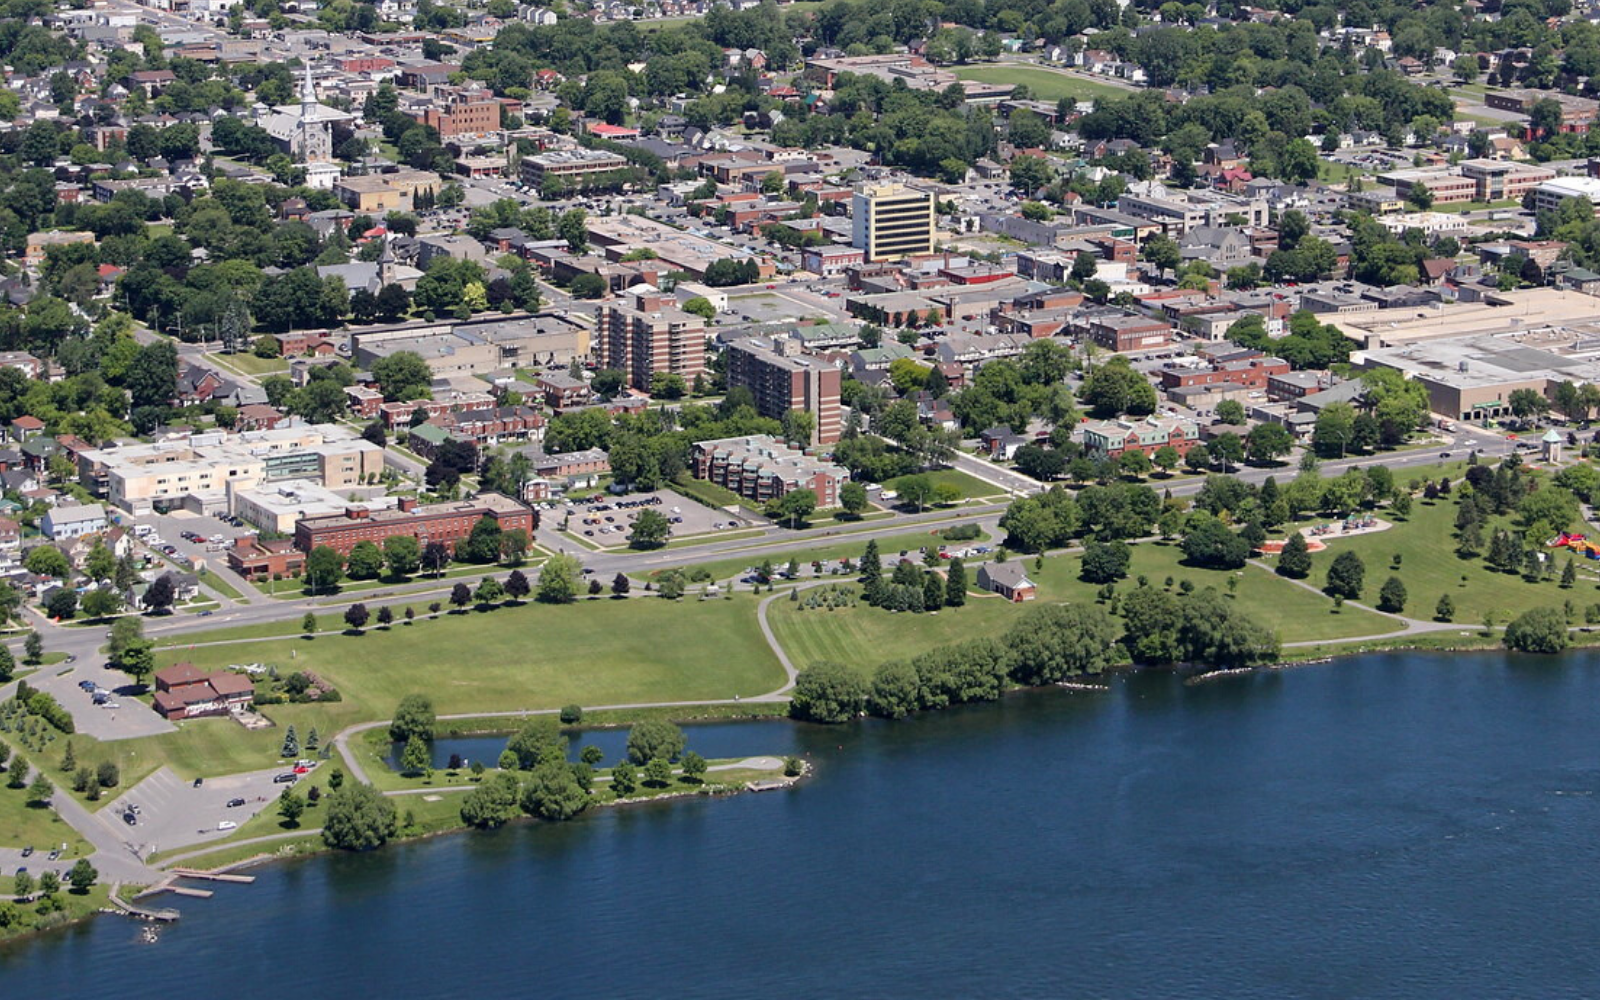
x=74 y=907
x=832 y=553
x=970 y=487
x=1429 y=568
x=221 y=586
x=23 y=824
x=516 y=658
x=1044 y=84
x=249 y=364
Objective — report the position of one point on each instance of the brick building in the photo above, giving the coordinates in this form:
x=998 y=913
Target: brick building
x=782 y=379
x=761 y=468
x=1110 y=438
x=440 y=522
x=183 y=692
x=651 y=335
x=255 y=559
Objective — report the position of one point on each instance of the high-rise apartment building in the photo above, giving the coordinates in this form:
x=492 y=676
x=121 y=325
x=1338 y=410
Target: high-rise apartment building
x=892 y=220
x=651 y=335
x=782 y=379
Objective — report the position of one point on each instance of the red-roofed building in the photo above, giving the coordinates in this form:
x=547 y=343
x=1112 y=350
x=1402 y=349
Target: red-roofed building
x=601 y=130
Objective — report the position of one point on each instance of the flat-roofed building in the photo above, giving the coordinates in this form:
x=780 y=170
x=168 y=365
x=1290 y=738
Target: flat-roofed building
x=892 y=220
x=783 y=379
x=573 y=166
x=650 y=335
x=447 y=523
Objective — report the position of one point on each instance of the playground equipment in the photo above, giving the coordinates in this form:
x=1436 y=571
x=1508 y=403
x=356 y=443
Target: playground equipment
x=1577 y=543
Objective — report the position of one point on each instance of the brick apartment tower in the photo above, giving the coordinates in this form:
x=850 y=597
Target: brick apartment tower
x=782 y=379
x=650 y=335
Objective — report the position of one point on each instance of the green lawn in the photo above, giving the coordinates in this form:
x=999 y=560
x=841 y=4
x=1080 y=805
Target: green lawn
x=248 y=364
x=708 y=493
x=220 y=585
x=862 y=636
x=970 y=486
x=891 y=545
x=1044 y=84
x=1429 y=567
x=23 y=825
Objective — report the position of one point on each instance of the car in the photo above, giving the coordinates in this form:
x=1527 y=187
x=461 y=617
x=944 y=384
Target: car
x=87 y=685
x=27 y=852
x=112 y=705
x=235 y=803
x=288 y=777
x=130 y=819
x=54 y=855
x=198 y=782
x=207 y=614
x=1444 y=454
x=227 y=824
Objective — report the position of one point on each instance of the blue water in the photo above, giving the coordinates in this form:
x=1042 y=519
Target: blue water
x=1389 y=826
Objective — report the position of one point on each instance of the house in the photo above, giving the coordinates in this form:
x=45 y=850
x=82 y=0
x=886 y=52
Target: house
x=1002 y=442
x=1008 y=579
x=183 y=692
x=75 y=521
x=26 y=426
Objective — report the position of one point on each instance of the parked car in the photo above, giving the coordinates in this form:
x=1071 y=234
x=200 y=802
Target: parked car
x=27 y=852
x=285 y=778
x=235 y=803
x=227 y=824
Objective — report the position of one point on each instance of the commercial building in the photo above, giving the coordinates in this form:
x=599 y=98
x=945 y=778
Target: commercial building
x=1111 y=438
x=1472 y=377
x=254 y=559
x=891 y=220
x=674 y=249
x=574 y=166
x=462 y=113
x=447 y=523
x=1547 y=197
x=198 y=473
x=479 y=348
x=651 y=335
x=782 y=379
x=1177 y=212
x=183 y=692
x=1471 y=180
x=279 y=506
x=761 y=468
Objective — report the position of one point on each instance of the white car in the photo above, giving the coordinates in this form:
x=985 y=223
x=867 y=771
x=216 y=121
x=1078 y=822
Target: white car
x=227 y=824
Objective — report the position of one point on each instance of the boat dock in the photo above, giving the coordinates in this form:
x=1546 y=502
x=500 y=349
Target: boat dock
x=213 y=876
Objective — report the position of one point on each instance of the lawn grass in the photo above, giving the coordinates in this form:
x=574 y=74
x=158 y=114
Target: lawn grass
x=832 y=553
x=221 y=586
x=862 y=636
x=1429 y=568
x=708 y=493
x=246 y=363
x=75 y=906
x=969 y=485
x=24 y=825
x=1044 y=84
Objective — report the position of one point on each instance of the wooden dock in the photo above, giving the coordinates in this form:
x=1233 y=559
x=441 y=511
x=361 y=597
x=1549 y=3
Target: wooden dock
x=183 y=890
x=213 y=876
x=166 y=914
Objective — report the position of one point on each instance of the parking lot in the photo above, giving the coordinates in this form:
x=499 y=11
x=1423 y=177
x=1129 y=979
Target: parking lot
x=176 y=813
x=608 y=519
x=120 y=717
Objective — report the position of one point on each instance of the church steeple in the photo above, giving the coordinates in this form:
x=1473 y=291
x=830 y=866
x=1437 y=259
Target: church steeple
x=308 y=92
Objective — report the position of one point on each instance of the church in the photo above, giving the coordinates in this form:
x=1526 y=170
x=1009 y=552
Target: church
x=305 y=133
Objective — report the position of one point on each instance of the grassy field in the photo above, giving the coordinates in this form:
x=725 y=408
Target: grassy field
x=707 y=492
x=893 y=544
x=23 y=825
x=1429 y=567
x=75 y=907
x=863 y=636
x=220 y=585
x=1044 y=84
x=970 y=486
x=248 y=364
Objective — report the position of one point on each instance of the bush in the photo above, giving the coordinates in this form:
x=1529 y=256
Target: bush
x=960 y=533
x=571 y=715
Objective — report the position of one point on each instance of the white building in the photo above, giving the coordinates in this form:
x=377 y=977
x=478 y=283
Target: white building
x=63 y=523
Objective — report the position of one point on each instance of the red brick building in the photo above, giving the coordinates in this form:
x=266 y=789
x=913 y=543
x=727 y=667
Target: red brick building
x=782 y=379
x=652 y=335
x=440 y=522
x=760 y=468
x=254 y=559
x=183 y=692
x=1252 y=373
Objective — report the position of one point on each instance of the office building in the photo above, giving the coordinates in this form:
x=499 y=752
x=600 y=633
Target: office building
x=892 y=220
x=447 y=523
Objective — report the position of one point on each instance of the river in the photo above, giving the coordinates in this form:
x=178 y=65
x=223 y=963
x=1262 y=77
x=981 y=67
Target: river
x=1386 y=826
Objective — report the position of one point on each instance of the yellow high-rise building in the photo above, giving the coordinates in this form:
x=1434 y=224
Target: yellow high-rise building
x=892 y=220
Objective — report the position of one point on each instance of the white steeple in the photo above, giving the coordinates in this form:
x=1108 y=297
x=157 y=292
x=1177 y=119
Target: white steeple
x=308 y=92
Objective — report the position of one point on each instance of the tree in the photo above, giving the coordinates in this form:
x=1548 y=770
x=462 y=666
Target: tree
x=517 y=586
x=1445 y=610
x=8 y=666
x=1392 y=596
x=324 y=568
x=828 y=692
x=1209 y=543
x=1268 y=442
x=82 y=876
x=359 y=818
x=1105 y=562
x=493 y=803
x=794 y=506
x=624 y=780
x=402 y=554
x=654 y=738
x=651 y=530
x=955 y=584
x=1345 y=576
x=853 y=498
x=415 y=758
x=558 y=579
x=102 y=602
x=291 y=744
x=62 y=603
x=413 y=717
x=1295 y=560
x=33 y=648
x=357 y=616
x=620 y=585
x=1541 y=630
x=1230 y=411
x=489 y=591
x=17 y=773
x=366 y=561
x=1335 y=429
x=553 y=792
x=22 y=884
x=694 y=767
x=308 y=624
x=460 y=595
x=40 y=792
x=290 y=806
x=47 y=560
